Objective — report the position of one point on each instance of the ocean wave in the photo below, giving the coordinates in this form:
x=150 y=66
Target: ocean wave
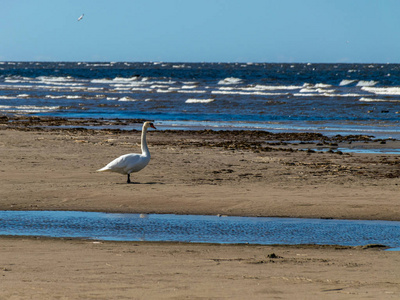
x=199 y=100
x=307 y=90
x=122 y=89
x=63 y=97
x=141 y=89
x=192 y=91
x=326 y=95
x=322 y=85
x=346 y=82
x=14 y=80
x=230 y=80
x=316 y=90
x=382 y=91
x=366 y=83
x=248 y=93
x=115 y=80
x=127 y=99
x=159 y=86
x=28 y=108
x=179 y=66
x=130 y=84
x=164 y=91
x=260 y=87
x=363 y=99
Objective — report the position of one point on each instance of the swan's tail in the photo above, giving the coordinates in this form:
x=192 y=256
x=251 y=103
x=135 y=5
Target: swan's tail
x=104 y=169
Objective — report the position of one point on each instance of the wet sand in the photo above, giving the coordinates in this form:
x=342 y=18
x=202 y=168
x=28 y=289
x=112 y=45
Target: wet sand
x=203 y=172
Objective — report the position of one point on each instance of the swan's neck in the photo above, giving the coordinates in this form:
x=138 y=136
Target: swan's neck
x=145 y=149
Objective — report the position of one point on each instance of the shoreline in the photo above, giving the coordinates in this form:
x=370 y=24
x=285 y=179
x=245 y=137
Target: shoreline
x=236 y=173
x=120 y=124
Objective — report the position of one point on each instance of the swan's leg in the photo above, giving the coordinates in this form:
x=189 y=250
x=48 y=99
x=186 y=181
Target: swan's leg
x=129 y=178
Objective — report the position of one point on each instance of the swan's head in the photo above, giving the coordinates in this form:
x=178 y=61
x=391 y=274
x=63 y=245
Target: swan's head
x=148 y=124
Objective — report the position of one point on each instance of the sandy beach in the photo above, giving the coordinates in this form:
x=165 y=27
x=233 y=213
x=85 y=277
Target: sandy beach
x=202 y=172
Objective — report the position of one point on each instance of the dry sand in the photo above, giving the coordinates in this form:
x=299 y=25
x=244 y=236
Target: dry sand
x=70 y=269
x=244 y=173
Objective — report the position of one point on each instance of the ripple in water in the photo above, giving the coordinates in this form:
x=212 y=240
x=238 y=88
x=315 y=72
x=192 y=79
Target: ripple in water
x=199 y=229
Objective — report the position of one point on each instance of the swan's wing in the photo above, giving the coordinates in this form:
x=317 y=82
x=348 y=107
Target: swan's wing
x=123 y=164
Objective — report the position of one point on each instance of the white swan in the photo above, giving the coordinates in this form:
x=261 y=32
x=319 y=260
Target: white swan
x=133 y=162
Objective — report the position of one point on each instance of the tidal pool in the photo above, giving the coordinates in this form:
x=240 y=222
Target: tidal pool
x=199 y=229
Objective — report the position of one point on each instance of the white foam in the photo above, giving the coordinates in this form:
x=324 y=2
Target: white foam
x=112 y=98
x=54 y=79
x=127 y=99
x=163 y=91
x=142 y=89
x=28 y=108
x=363 y=99
x=230 y=80
x=115 y=80
x=199 y=100
x=325 y=95
x=308 y=90
x=123 y=79
x=54 y=97
x=248 y=93
x=367 y=83
x=129 y=84
x=67 y=97
x=192 y=91
x=382 y=91
x=322 y=85
x=106 y=81
x=101 y=65
x=260 y=87
x=158 y=86
x=14 y=81
x=346 y=82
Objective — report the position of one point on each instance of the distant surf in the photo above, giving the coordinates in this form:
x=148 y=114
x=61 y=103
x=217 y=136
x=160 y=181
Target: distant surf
x=328 y=98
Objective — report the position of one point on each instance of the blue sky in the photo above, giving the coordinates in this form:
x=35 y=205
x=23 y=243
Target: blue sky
x=361 y=31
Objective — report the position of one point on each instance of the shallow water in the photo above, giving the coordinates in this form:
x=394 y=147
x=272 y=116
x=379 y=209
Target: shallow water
x=199 y=229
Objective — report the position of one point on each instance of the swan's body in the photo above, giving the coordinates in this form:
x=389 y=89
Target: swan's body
x=133 y=162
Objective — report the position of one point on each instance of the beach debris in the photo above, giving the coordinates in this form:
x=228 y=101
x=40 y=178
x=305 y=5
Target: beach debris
x=273 y=255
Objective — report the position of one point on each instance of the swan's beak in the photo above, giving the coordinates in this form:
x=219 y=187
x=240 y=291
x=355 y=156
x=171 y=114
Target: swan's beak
x=152 y=126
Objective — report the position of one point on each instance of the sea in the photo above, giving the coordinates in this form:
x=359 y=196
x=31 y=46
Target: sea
x=332 y=99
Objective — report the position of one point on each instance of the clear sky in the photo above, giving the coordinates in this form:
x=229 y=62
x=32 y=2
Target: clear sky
x=365 y=31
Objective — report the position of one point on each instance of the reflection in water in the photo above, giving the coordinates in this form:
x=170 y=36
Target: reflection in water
x=202 y=229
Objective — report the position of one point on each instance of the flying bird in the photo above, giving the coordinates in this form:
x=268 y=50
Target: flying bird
x=133 y=162
x=81 y=17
